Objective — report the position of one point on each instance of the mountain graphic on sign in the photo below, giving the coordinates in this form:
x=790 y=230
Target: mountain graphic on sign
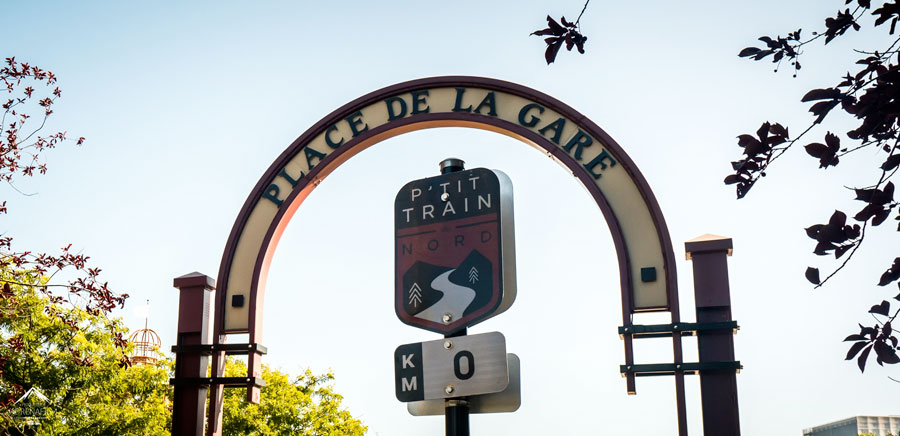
x=418 y=280
x=432 y=291
x=483 y=284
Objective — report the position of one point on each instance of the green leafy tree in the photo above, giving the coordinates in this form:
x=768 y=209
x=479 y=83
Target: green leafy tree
x=301 y=405
x=71 y=358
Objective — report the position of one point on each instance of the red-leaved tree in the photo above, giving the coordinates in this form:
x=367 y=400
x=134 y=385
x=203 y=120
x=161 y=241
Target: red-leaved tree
x=871 y=96
x=30 y=94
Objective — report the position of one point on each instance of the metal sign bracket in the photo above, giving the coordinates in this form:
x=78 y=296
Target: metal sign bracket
x=665 y=330
x=654 y=369
x=209 y=350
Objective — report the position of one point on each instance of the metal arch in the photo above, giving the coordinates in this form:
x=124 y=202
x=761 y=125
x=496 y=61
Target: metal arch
x=429 y=120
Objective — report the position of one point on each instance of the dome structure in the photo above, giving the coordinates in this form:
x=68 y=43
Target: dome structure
x=146 y=347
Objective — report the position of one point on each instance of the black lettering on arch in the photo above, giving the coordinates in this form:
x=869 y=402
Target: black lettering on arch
x=604 y=155
x=329 y=141
x=557 y=128
x=490 y=102
x=290 y=179
x=355 y=119
x=579 y=141
x=271 y=194
x=533 y=120
x=311 y=154
x=457 y=107
x=390 y=108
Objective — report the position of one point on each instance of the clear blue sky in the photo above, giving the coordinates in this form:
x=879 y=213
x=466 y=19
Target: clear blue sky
x=185 y=104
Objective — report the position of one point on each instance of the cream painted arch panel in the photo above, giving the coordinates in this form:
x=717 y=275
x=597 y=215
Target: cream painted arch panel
x=632 y=214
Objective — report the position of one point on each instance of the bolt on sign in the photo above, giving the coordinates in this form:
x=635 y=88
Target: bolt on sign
x=454 y=250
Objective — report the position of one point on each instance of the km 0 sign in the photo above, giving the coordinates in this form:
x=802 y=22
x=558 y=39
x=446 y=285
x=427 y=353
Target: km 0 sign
x=451 y=367
x=454 y=250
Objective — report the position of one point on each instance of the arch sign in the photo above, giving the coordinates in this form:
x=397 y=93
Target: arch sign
x=645 y=257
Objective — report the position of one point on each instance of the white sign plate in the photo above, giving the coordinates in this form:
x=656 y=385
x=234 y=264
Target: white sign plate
x=507 y=401
x=451 y=367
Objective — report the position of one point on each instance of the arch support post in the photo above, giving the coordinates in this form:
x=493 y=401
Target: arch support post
x=712 y=296
x=194 y=329
x=216 y=394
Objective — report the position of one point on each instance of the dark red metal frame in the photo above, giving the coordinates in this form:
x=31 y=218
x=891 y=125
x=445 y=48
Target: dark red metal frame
x=423 y=121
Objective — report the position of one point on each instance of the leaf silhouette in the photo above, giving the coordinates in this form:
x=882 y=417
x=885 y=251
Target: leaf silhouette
x=567 y=32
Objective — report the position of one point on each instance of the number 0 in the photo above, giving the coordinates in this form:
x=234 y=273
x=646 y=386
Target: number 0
x=470 y=360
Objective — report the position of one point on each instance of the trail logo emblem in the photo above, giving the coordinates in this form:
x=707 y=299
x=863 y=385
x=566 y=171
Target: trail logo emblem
x=454 y=249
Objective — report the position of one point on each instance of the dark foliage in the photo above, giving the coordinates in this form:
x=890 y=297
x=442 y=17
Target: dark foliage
x=557 y=34
x=880 y=337
x=871 y=95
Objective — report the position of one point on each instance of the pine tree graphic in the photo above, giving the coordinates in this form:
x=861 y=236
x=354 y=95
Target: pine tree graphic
x=415 y=295
x=473 y=275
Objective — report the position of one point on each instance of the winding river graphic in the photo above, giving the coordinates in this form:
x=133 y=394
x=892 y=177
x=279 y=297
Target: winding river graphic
x=445 y=294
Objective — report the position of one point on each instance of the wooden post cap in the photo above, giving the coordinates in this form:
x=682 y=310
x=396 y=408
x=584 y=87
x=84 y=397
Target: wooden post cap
x=194 y=280
x=708 y=243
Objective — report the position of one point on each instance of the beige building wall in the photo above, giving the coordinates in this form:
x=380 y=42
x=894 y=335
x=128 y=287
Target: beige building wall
x=879 y=425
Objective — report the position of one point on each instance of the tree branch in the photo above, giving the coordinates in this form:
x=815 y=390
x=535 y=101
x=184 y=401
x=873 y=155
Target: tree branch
x=859 y=242
x=578 y=20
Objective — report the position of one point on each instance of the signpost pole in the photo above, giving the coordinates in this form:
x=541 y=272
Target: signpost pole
x=718 y=387
x=456 y=417
x=456 y=411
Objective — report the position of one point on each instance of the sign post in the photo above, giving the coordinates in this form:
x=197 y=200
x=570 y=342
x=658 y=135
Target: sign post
x=455 y=267
x=195 y=297
x=718 y=387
